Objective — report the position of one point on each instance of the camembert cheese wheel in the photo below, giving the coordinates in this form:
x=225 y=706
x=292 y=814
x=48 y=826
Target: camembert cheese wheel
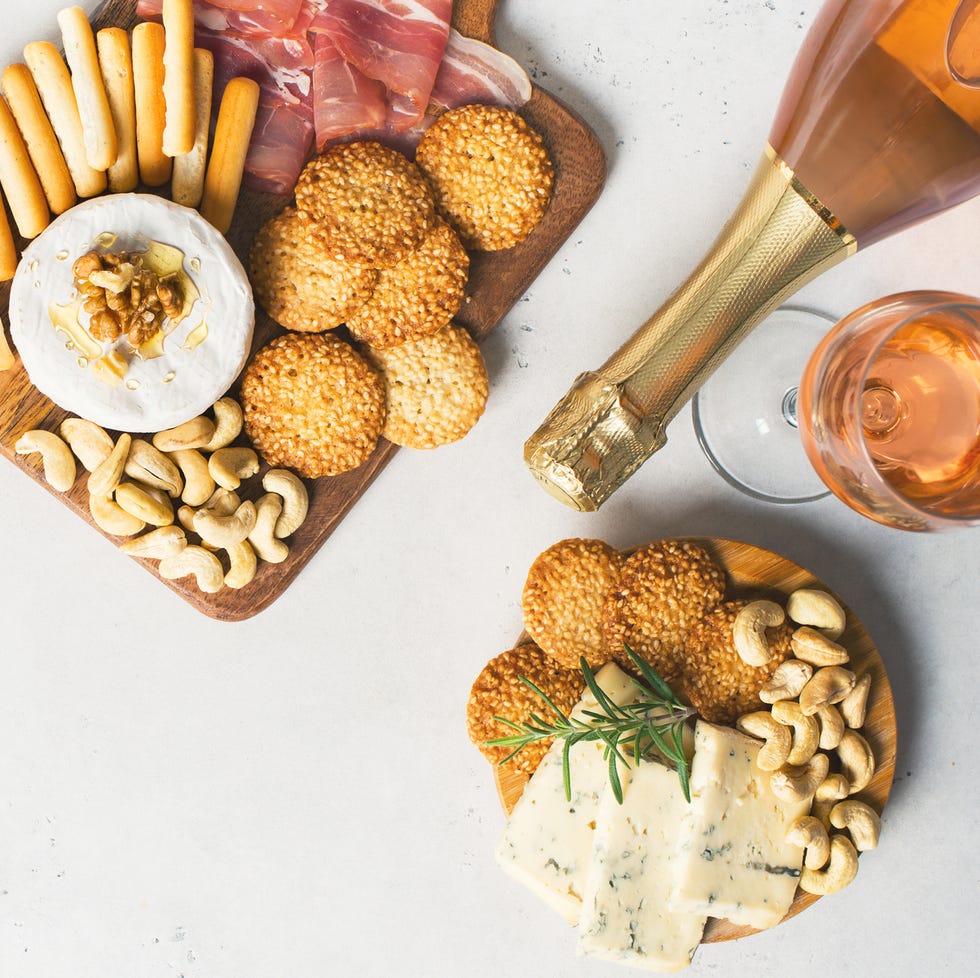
x=167 y=380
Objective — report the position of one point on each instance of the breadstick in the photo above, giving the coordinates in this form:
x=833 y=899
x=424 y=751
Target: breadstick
x=86 y=80
x=178 y=80
x=20 y=184
x=148 y=44
x=116 y=63
x=188 y=183
x=232 y=133
x=42 y=143
x=54 y=86
x=8 y=251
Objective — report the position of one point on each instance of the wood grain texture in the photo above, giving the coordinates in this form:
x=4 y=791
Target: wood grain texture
x=754 y=572
x=497 y=280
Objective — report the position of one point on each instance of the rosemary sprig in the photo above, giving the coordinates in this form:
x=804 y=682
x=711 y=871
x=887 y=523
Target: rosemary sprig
x=655 y=721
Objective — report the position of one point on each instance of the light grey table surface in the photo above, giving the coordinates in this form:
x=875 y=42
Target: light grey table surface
x=295 y=795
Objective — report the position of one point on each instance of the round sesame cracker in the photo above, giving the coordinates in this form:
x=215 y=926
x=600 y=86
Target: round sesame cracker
x=371 y=204
x=437 y=388
x=664 y=589
x=416 y=297
x=296 y=281
x=498 y=691
x=719 y=683
x=311 y=403
x=563 y=599
x=490 y=173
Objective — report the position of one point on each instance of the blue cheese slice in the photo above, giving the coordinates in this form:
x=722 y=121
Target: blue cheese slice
x=733 y=861
x=547 y=843
x=625 y=916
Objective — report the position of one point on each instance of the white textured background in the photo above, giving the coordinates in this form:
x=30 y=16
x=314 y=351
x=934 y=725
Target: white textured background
x=295 y=795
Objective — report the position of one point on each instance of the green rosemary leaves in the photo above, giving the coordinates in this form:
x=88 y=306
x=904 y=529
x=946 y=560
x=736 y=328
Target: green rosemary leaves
x=655 y=722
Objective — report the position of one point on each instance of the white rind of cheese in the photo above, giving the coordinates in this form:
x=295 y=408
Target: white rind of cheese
x=547 y=842
x=625 y=916
x=158 y=393
x=733 y=860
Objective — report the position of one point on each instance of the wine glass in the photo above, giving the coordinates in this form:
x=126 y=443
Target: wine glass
x=884 y=412
x=889 y=410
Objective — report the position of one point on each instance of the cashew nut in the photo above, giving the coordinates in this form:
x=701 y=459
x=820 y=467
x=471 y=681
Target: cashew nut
x=295 y=499
x=228 y=424
x=225 y=531
x=749 y=631
x=150 y=467
x=268 y=509
x=195 y=433
x=854 y=706
x=787 y=682
x=112 y=518
x=832 y=790
x=195 y=560
x=165 y=541
x=828 y=685
x=222 y=502
x=198 y=484
x=839 y=871
x=814 y=647
x=794 y=784
x=857 y=760
x=243 y=565
x=778 y=739
x=806 y=731
x=56 y=457
x=185 y=516
x=144 y=505
x=228 y=466
x=861 y=820
x=810 y=833
x=831 y=726
x=109 y=472
x=808 y=606
x=90 y=443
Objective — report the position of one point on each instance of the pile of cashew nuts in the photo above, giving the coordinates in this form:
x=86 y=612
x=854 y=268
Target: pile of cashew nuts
x=134 y=484
x=817 y=708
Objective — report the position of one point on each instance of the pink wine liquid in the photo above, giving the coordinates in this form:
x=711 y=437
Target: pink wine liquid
x=874 y=121
x=921 y=413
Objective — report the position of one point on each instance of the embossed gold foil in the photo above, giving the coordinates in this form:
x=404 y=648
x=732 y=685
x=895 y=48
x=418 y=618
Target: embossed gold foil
x=614 y=418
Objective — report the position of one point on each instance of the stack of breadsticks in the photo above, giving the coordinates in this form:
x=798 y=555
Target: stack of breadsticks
x=125 y=110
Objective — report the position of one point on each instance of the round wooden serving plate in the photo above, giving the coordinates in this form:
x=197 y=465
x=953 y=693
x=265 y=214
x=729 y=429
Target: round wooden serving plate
x=754 y=572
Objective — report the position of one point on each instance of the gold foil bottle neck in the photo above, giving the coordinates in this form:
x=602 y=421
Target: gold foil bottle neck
x=613 y=419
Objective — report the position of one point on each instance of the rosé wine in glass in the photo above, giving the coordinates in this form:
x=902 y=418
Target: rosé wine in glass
x=889 y=410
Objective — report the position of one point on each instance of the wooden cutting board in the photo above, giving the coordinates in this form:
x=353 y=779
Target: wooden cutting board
x=496 y=282
x=754 y=572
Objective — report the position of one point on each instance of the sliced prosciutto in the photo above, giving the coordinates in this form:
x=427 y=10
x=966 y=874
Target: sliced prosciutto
x=472 y=71
x=280 y=144
x=283 y=131
x=396 y=42
x=344 y=99
x=249 y=18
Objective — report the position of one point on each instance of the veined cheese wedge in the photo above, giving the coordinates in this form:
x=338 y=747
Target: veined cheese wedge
x=547 y=843
x=625 y=916
x=168 y=384
x=733 y=860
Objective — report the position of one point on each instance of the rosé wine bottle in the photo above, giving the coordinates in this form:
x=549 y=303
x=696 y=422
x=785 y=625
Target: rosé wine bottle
x=878 y=128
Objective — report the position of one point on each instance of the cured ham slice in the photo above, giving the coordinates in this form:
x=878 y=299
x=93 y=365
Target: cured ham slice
x=472 y=71
x=344 y=99
x=283 y=132
x=280 y=144
x=396 y=42
x=249 y=18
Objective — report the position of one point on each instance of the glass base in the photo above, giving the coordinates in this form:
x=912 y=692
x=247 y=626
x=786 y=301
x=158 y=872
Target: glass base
x=745 y=415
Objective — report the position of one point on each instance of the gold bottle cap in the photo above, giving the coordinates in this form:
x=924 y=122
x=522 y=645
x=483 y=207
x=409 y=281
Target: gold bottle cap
x=593 y=440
